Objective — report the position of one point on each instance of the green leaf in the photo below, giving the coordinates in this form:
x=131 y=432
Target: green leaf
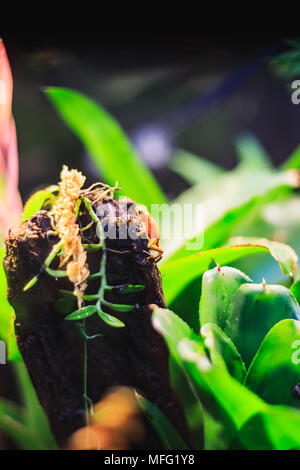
x=282 y=253
x=176 y=275
x=107 y=145
x=189 y=401
x=218 y=287
x=247 y=418
x=254 y=310
x=226 y=401
x=11 y=410
x=65 y=305
x=37 y=200
x=222 y=351
x=35 y=419
x=274 y=429
x=244 y=193
x=118 y=307
x=170 y=438
x=194 y=169
x=251 y=153
x=82 y=313
x=56 y=272
x=275 y=370
x=110 y=319
x=295 y=290
x=7 y=331
x=129 y=289
x=293 y=162
x=92 y=247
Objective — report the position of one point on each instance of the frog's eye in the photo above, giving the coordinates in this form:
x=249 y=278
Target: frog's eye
x=140 y=211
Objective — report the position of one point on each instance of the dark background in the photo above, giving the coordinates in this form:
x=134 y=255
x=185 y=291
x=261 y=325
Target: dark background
x=200 y=92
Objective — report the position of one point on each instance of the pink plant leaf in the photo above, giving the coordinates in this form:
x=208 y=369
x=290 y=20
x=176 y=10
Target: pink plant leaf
x=10 y=200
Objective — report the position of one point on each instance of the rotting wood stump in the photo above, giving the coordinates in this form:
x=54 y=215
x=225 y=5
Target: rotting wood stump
x=52 y=347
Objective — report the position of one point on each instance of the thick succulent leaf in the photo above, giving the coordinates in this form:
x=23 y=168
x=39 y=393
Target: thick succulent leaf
x=221 y=396
x=249 y=420
x=222 y=351
x=254 y=310
x=275 y=370
x=107 y=145
x=275 y=429
x=177 y=275
x=295 y=290
x=170 y=438
x=218 y=287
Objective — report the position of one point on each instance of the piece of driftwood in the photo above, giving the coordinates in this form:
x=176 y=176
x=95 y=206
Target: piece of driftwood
x=52 y=347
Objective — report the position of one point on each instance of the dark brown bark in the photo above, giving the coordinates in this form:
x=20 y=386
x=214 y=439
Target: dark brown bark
x=52 y=347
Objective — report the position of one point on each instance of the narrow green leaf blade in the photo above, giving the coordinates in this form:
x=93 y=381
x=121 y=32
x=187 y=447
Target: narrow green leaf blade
x=107 y=144
x=170 y=438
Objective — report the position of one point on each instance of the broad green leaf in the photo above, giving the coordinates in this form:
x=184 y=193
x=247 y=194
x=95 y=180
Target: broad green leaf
x=176 y=275
x=282 y=253
x=194 y=169
x=251 y=153
x=247 y=417
x=218 y=287
x=107 y=145
x=170 y=438
x=222 y=351
x=274 y=429
x=82 y=313
x=254 y=310
x=295 y=290
x=275 y=370
x=37 y=200
x=222 y=396
x=293 y=162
